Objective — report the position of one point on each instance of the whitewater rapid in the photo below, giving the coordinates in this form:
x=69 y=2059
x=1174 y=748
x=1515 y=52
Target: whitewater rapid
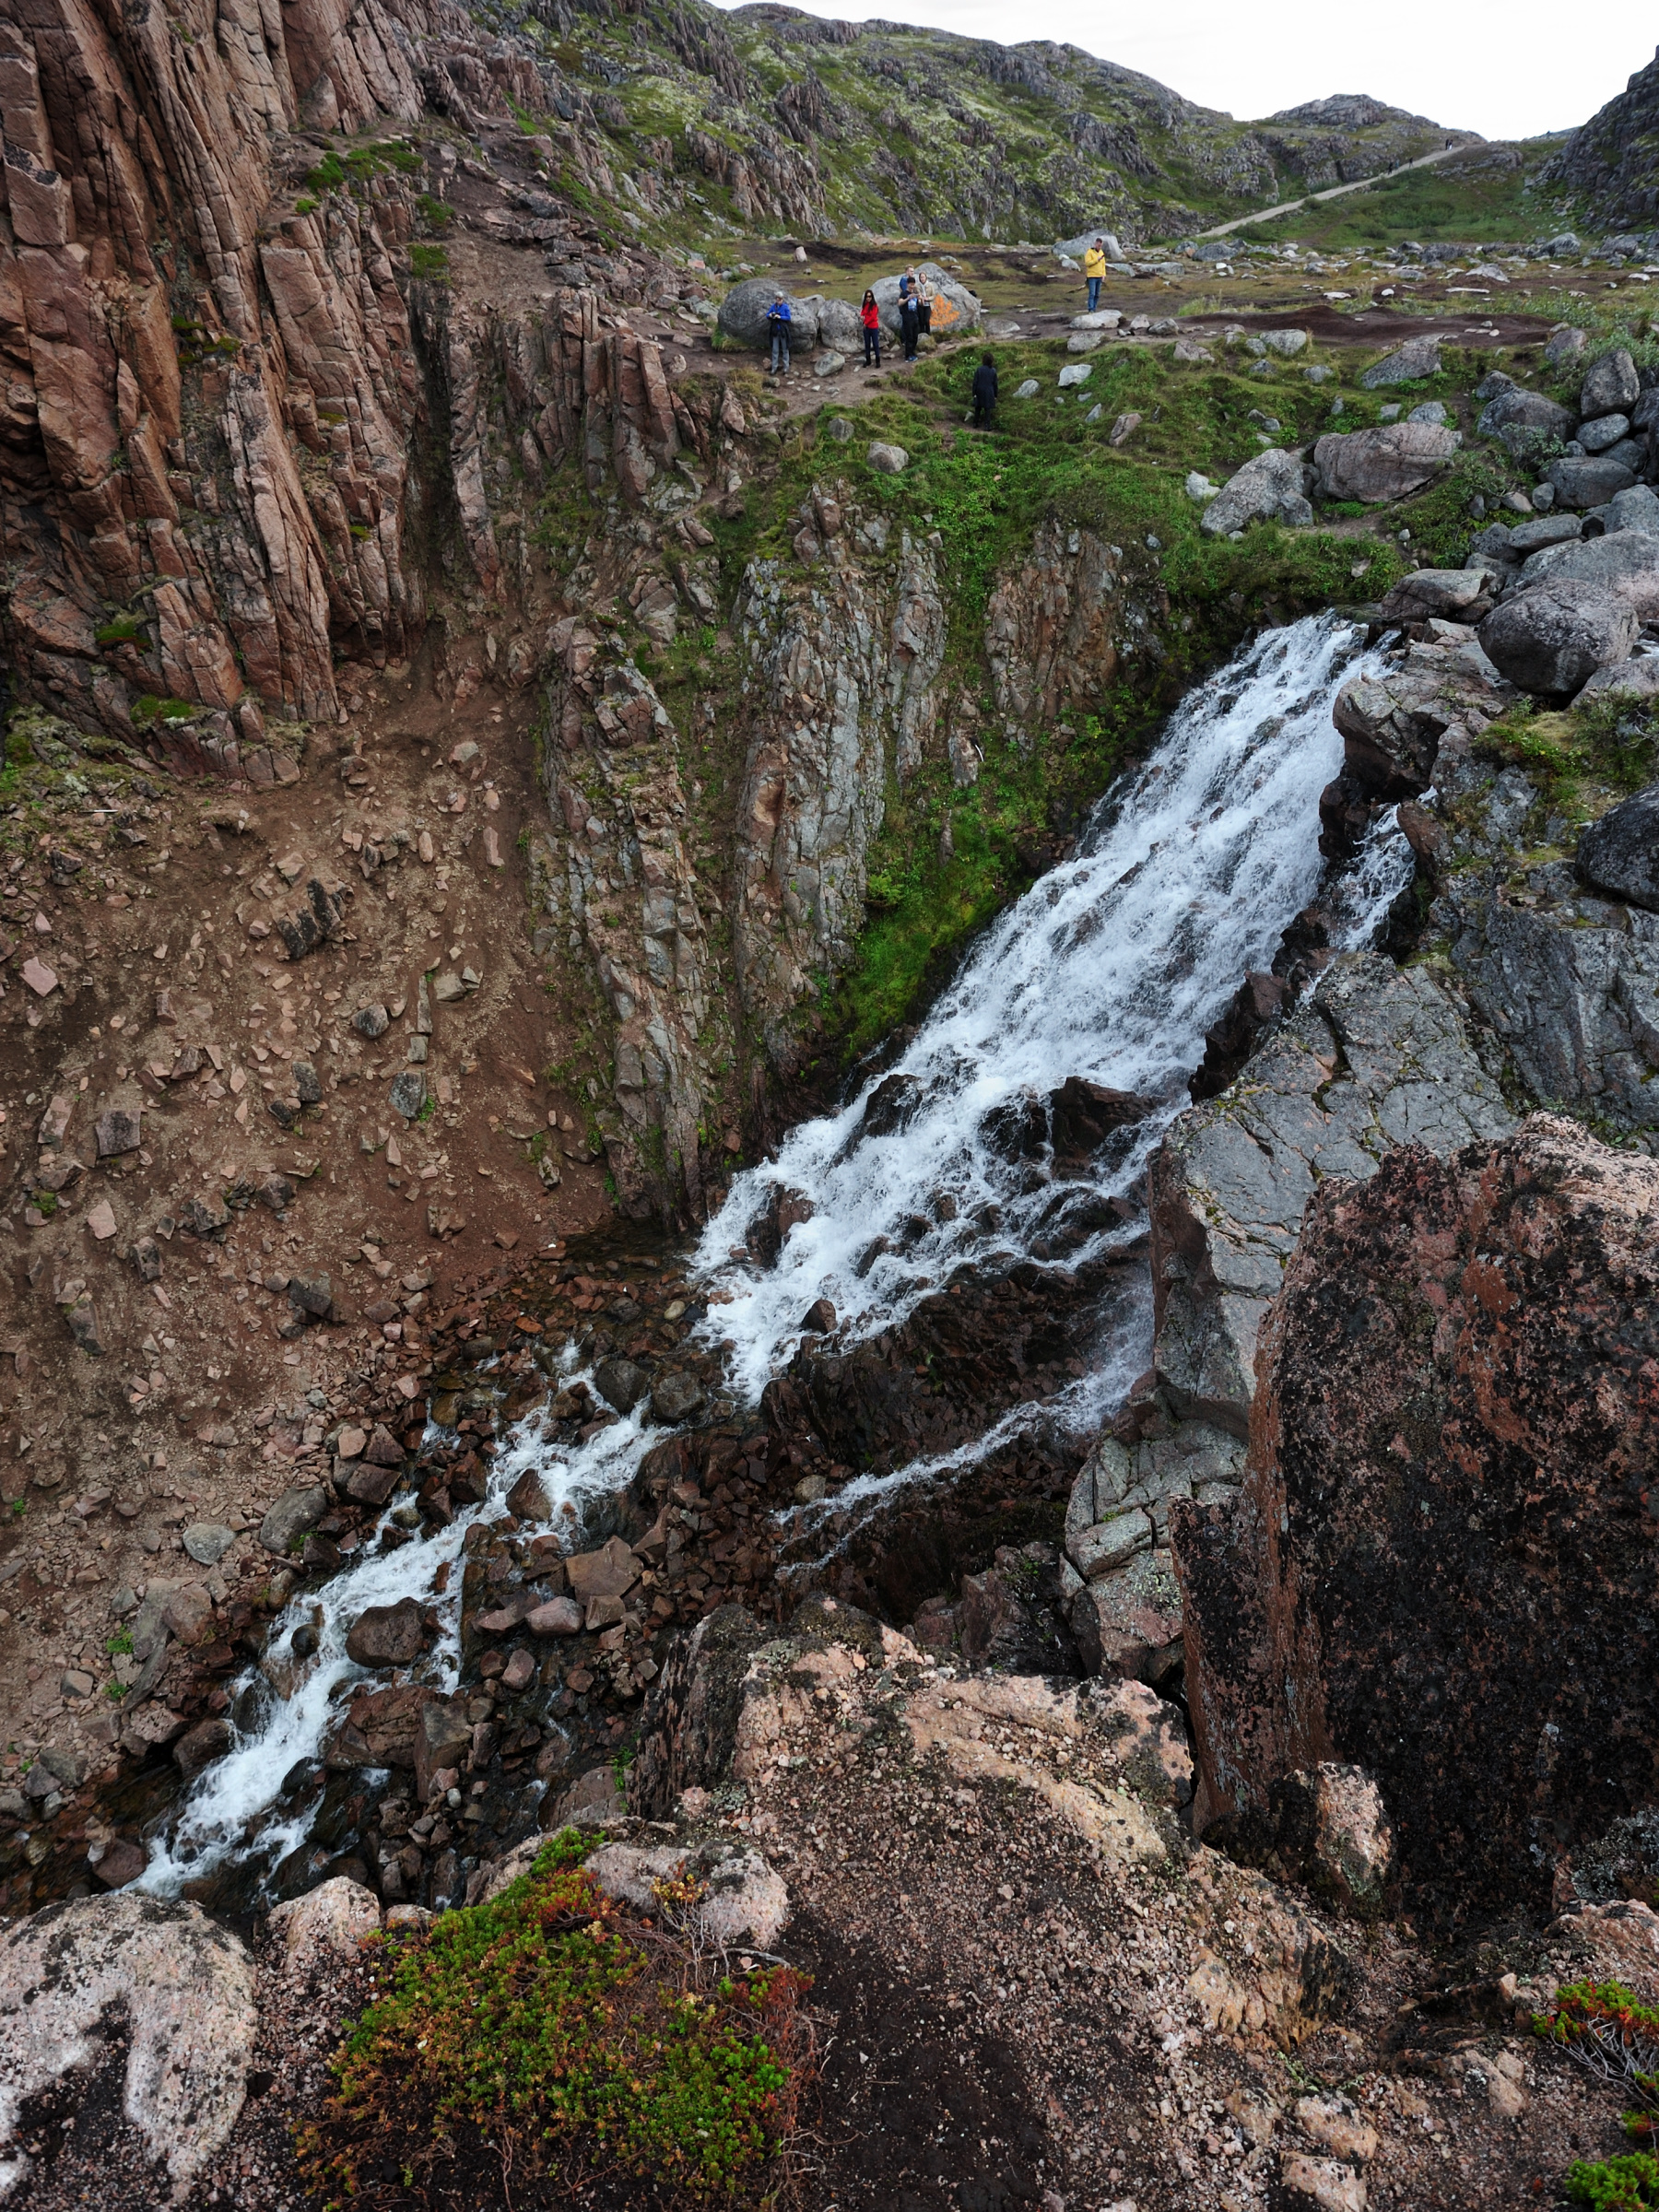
x=1111 y=968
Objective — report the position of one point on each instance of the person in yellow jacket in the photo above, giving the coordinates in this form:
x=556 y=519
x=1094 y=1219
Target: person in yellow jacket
x=1094 y=268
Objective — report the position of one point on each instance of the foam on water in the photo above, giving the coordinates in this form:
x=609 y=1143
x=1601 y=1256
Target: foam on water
x=1111 y=968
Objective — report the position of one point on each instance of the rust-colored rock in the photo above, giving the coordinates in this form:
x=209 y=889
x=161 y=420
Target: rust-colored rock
x=1439 y=1566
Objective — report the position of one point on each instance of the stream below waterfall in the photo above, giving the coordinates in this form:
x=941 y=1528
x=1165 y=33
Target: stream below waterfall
x=1109 y=970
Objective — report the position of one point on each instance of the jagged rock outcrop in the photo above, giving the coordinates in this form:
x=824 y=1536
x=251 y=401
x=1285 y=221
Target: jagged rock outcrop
x=1610 y=158
x=1056 y=627
x=1380 y=1057
x=841 y=693
x=1440 y=1546
x=218 y=360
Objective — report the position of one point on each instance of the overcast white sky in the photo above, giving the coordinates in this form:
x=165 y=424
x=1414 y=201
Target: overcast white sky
x=1479 y=68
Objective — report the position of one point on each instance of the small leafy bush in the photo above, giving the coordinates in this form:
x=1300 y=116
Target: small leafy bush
x=1615 y=2037
x=429 y=262
x=570 y=2030
x=1623 y=2184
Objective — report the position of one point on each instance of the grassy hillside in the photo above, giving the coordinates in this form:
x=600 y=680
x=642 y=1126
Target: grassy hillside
x=1492 y=192
x=765 y=119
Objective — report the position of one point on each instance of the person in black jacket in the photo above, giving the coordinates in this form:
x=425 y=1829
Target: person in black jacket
x=984 y=393
x=909 y=323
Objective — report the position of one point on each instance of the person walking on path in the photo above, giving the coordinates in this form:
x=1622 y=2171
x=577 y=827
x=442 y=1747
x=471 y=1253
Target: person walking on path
x=909 y=319
x=984 y=393
x=869 y=314
x=1094 y=268
x=778 y=321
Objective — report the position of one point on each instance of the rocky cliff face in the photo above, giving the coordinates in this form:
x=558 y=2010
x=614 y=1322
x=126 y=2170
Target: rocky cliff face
x=1610 y=158
x=1435 y=1567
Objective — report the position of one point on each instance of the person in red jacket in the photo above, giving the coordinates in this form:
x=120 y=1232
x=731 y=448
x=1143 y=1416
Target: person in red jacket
x=869 y=314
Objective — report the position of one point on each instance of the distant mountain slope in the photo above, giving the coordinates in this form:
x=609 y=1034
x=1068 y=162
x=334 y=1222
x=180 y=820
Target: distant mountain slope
x=1613 y=160
x=770 y=118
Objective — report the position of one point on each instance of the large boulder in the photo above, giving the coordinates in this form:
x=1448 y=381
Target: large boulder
x=1624 y=562
x=1611 y=386
x=839 y=325
x=1450 y=594
x=1589 y=482
x=1408 y=364
x=744 y=310
x=1525 y=410
x=387 y=1635
x=1394 y=721
x=1387 y=463
x=183 y=1990
x=1266 y=489
x=1619 y=854
x=955 y=310
x=1554 y=634
x=295 y=1513
x=1436 y=1570
x=1233 y=1178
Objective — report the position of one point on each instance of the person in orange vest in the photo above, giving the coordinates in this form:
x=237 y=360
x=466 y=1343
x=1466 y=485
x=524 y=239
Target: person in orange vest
x=1094 y=268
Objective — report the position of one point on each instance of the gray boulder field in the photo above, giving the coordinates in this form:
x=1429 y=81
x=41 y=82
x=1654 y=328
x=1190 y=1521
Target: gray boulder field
x=1624 y=562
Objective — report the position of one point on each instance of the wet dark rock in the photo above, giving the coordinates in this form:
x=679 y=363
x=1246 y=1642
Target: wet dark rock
x=370 y=1021
x=1454 y=1431
x=621 y=1383
x=1619 y=854
x=307 y=1083
x=676 y=1396
x=200 y=1746
x=891 y=1106
x=820 y=1317
x=1018 y=1128
x=527 y=1498
x=771 y=1225
x=122 y=1862
x=1083 y=1116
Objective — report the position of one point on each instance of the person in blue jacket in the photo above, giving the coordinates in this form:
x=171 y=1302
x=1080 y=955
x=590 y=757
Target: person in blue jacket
x=778 y=321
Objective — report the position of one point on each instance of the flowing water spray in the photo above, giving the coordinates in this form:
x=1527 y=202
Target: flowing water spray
x=1109 y=968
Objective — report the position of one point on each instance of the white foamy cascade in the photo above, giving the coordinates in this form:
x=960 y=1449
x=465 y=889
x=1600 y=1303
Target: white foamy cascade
x=230 y=1810
x=1378 y=873
x=1109 y=968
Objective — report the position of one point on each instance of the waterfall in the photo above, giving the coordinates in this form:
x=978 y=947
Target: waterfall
x=1110 y=968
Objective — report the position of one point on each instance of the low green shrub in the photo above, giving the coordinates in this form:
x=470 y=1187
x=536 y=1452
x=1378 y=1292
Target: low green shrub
x=1623 y=2184
x=570 y=2031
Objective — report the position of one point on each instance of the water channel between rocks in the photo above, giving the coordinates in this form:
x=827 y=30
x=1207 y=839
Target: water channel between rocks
x=1108 y=971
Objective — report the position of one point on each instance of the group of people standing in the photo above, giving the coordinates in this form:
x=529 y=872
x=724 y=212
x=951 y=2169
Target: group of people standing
x=916 y=297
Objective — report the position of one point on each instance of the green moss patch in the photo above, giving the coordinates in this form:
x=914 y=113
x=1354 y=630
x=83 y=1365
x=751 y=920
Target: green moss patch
x=563 y=2033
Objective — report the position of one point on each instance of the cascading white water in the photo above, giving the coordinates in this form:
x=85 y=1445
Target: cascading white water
x=229 y=1811
x=1110 y=968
